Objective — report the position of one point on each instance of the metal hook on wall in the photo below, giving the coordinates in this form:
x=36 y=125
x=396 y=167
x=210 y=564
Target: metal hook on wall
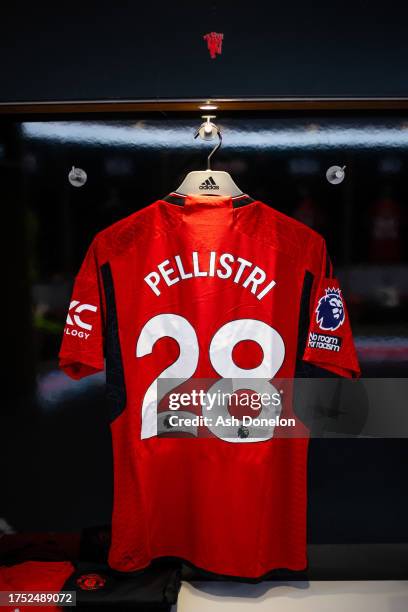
x=208 y=131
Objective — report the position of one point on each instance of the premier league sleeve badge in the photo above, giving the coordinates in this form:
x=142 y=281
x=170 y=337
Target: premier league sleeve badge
x=330 y=313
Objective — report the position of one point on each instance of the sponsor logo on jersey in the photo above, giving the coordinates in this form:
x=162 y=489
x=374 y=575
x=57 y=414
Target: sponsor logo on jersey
x=91 y=582
x=330 y=310
x=76 y=309
x=209 y=184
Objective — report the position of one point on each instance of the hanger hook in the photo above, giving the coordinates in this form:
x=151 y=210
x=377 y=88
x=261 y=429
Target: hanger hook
x=218 y=132
x=217 y=146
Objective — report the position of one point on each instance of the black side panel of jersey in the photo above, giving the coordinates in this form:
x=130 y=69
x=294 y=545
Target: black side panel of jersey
x=115 y=378
x=329 y=267
x=304 y=321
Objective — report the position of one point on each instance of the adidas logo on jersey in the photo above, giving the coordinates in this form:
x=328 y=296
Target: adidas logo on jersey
x=209 y=184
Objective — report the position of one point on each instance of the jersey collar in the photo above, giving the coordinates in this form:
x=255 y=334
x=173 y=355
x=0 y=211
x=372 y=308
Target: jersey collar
x=213 y=201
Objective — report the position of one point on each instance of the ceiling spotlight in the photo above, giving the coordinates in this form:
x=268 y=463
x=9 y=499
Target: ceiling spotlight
x=208 y=106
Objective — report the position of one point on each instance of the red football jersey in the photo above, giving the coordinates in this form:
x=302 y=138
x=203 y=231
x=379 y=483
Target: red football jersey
x=205 y=287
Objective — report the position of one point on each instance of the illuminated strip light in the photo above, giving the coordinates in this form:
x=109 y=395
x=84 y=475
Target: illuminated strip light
x=96 y=134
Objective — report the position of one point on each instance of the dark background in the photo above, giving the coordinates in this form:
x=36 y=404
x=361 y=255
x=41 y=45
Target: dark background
x=55 y=439
x=56 y=433
x=99 y=50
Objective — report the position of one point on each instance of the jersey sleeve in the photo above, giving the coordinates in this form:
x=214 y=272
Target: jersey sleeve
x=329 y=343
x=82 y=347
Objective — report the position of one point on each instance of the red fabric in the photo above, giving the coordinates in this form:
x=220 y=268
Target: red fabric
x=231 y=508
x=34 y=576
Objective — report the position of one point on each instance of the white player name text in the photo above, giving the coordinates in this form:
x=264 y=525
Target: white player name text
x=224 y=266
